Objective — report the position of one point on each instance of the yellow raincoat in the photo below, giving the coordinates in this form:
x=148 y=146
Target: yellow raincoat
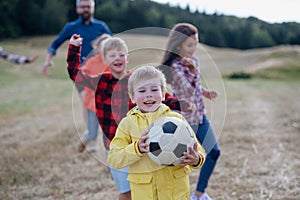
x=149 y=180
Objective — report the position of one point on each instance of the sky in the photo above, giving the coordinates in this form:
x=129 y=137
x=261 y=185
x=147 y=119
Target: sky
x=272 y=11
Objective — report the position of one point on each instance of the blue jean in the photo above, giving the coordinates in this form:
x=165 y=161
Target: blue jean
x=207 y=138
x=93 y=126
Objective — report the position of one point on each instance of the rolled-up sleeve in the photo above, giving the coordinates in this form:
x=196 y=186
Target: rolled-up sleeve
x=62 y=37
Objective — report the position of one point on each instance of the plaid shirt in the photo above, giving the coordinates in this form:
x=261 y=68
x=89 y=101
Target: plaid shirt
x=111 y=95
x=187 y=86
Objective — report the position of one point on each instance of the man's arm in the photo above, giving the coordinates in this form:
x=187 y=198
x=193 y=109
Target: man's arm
x=51 y=51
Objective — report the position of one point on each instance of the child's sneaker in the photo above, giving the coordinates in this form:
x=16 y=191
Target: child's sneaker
x=203 y=197
x=194 y=197
x=91 y=146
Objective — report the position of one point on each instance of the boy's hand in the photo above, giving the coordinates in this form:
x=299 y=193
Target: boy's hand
x=191 y=158
x=76 y=40
x=142 y=142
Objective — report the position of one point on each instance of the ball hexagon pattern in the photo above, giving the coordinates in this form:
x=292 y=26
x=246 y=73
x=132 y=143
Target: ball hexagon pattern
x=169 y=138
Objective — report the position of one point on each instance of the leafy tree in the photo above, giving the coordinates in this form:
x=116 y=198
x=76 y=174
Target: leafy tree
x=53 y=17
x=28 y=13
x=36 y=17
x=8 y=23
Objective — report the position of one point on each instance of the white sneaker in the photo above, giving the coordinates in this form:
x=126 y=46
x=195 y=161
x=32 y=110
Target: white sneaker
x=203 y=197
x=194 y=197
x=91 y=146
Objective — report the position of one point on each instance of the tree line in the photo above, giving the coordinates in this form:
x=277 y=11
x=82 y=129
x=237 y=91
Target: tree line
x=47 y=17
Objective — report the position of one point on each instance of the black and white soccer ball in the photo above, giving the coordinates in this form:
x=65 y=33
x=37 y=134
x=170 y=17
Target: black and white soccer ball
x=169 y=138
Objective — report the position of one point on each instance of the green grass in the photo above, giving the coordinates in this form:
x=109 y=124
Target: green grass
x=284 y=54
x=7 y=76
x=25 y=94
x=240 y=89
x=23 y=89
x=289 y=72
x=239 y=75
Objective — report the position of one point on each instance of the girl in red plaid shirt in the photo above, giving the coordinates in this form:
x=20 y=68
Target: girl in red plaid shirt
x=180 y=64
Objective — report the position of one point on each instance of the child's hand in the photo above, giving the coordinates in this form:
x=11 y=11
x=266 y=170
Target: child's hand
x=192 y=108
x=142 y=142
x=33 y=59
x=189 y=62
x=210 y=94
x=191 y=158
x=76 y=40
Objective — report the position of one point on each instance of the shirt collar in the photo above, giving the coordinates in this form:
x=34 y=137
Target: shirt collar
x=111 y=77
x=81 y=21
x=161 y=109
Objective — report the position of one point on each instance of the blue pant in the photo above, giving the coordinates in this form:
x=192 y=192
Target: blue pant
x=207 y=138
x=93 y=126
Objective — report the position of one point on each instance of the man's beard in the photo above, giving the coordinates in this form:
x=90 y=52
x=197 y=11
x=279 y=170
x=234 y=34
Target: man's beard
x=85 y=16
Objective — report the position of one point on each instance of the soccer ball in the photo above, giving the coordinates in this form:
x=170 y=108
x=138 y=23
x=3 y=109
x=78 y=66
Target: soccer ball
x=169 y=138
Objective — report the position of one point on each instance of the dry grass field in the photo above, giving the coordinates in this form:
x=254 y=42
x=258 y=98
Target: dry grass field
x=257 y=121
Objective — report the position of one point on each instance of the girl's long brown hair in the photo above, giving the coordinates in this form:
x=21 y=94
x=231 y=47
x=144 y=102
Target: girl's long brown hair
x=179 y=33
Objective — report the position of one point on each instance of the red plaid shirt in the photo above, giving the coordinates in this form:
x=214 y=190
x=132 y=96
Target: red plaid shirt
x=111 y=95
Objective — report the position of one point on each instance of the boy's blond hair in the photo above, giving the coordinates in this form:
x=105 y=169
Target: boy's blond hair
x=113 y=43
x=143 y=73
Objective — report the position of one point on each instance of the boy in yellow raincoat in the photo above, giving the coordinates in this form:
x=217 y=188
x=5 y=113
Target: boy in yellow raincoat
x=148 y=180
